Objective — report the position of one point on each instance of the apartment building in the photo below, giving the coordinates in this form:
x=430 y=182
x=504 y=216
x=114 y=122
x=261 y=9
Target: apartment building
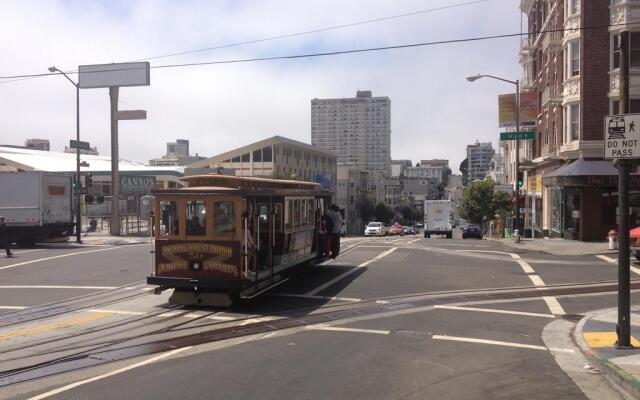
x=357 y=130
x=38 y=144
x=571 y=191
x=478 y=157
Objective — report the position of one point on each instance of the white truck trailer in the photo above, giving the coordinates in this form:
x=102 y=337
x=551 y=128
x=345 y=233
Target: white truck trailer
x=437 y=218
x=37 y=206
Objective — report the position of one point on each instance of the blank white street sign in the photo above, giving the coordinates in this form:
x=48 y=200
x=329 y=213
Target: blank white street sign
x=108 y=75
x=622 y=136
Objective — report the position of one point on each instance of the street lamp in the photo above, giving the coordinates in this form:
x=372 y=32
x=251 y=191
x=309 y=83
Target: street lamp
x=78 y=216
x=516 y=190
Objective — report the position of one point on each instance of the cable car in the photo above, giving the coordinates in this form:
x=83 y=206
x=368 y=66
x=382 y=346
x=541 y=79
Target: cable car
x=225 y=238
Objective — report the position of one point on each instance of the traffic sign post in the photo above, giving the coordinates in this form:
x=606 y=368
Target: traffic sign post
x=523 y=135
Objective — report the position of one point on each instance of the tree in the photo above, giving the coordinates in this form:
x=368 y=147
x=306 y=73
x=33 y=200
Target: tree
x=479 y=201
x=464 y=170
x=367 y=210
x=384 y=213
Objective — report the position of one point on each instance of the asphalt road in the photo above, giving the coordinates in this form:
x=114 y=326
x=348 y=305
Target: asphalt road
x=467 y=348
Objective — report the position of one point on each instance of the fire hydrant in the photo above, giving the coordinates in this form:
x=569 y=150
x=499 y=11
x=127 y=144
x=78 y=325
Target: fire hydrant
x=516 y=236
x=613 y=239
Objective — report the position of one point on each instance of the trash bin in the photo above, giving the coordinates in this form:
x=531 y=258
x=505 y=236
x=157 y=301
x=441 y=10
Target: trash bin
x=613 y=239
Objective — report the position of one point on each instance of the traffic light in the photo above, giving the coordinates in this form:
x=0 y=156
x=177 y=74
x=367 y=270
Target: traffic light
x=89 y=198
x=99 y=199
x=88 y=180
x=520 y=180
x=74 y=184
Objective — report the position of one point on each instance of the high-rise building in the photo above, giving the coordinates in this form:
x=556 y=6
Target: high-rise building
x=399 y=167
x=179 y=148
x=38 y=144
x=357 y=130
x=478 y=157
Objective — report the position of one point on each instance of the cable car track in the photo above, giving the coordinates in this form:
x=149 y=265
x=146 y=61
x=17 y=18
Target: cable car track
x=91 y=358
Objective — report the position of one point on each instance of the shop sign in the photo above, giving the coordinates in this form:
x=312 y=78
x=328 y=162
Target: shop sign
x=534 y=184
x=136 y=184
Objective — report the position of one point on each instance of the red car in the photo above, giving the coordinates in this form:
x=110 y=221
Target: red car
x=395 y=229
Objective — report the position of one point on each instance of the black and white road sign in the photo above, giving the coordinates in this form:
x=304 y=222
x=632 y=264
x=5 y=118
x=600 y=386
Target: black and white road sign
x=622 y=136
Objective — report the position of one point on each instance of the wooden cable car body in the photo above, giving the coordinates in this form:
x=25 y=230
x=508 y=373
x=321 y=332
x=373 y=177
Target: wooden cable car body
x=224 y=238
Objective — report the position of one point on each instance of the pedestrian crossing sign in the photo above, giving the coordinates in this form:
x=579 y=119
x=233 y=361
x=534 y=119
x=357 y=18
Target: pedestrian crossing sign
x=622 y=136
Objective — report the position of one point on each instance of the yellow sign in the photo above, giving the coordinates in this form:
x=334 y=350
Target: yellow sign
x=534 y=184
x=507 y=109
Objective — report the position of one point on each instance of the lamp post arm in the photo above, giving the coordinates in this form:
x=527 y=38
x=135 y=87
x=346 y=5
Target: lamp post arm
x=69 y=79
x=500 y=79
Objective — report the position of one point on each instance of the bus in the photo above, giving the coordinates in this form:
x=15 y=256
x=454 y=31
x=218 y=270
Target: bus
x=221 y=239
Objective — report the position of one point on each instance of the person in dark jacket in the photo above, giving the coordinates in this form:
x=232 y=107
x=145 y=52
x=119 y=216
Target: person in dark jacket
x=4 y=237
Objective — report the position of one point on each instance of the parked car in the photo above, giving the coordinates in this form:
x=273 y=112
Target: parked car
x=395 y=229
x=410 y=230
x=471 y=230
x=374 y=229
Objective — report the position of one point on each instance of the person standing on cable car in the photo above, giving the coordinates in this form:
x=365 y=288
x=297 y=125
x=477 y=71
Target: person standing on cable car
x=337 y=224
x=322 y=234
x=328 y=236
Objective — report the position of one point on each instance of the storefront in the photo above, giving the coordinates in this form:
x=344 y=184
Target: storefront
x=584 y=198
x=534 y=206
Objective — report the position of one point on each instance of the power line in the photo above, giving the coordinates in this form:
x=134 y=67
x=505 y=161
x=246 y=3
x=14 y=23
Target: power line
x=336 y=52
x=329 y=28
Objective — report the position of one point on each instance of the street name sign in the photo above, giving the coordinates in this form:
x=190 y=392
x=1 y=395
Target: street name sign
x=124 y=115
x=77 y=144
x=525 y=135
x=622 y=136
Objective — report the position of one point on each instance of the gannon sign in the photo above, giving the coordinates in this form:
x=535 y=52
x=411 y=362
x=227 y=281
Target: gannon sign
x=622 y=136
x=136 y=184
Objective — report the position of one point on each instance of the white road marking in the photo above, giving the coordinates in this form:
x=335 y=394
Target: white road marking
x=537 y=281
x=56 y=257
x=109 y=374
x=307 y=296
x=525 y=267
x=343 y=329
x=499 y=343
x=163 y=315
x=58 y=287
x=554 y=305
x=614 y=261
x=349 y=272
x=491 y=310
x=118 y=312
x=12 y=307
x=27 y=251
x=256 y=320
x=413 y=241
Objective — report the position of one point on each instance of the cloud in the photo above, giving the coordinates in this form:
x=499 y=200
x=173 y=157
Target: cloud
x=435 y=112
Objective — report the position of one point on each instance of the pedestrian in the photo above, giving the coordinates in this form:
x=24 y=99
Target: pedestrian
x=328 y=237
x=322 y=232
x=337 y=225
x=4 y=237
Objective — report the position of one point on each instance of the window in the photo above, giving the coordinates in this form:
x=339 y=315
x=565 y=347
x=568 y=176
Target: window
x=287 y=214
x=196 y=218
x=266 y=154
x=277 y=217
x=574 y=48
x=304 y=214
x=574 y=111
x=296 y=213
x=224 y=218
x=235 y=159
x=245 y=157
x=615 y=43
x=634 y=49
x=571 y=7
x=169 y=218
x=257 y=155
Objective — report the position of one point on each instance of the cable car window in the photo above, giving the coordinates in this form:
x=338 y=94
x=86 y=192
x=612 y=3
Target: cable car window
x=296 y=213
x=224 y=218
x=169 y=219
x=263 y=214
x=196 y=218
x=287 y=215
x=303 y=213
x=311 y=209
x=277 y=217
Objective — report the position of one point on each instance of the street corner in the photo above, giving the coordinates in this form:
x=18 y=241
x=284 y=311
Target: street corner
x=596 y=336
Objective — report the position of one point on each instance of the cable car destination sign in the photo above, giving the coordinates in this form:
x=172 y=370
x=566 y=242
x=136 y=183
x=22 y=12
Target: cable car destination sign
x=622 y=136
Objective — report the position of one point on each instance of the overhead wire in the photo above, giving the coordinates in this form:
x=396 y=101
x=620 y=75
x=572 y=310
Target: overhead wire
x=337 y=52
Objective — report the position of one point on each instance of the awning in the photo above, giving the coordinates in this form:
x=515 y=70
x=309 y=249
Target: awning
x=587 y=172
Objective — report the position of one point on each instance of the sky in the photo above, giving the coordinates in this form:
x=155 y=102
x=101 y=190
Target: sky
x=435 y=112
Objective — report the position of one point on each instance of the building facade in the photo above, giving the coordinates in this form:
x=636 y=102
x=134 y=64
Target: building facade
x=278 y=157
x=478 y=157
x=179 y=148
x=398 y=167
x=356 y=186
x=357 y=130
x=38 y=144
x=576 y=74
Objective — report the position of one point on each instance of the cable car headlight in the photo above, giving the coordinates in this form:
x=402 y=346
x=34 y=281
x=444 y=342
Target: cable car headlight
x=196 y=265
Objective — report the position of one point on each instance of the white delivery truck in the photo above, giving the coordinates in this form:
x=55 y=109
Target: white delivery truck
x=437 y=218
x=37 y=206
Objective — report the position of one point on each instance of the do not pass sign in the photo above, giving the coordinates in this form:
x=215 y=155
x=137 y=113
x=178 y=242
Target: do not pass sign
x=622 y=136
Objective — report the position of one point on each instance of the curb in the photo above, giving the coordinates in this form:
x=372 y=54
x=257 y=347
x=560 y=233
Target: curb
x=624 y=382
x=521 y=246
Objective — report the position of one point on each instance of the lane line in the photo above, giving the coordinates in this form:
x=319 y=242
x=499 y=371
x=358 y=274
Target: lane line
x=343 y=329
x=307 y=296
x=58 y=287
x=349 y=272
x=496 y=311
x=163 y=315
x=59 y=256
x=537 y=281
x=614 y=261
x=499 y=343
x=13 y=307
x=55 y=325
x=554 y=305
x=109 y=374
x=27 y=251
x=525 y=267
x=413 y=241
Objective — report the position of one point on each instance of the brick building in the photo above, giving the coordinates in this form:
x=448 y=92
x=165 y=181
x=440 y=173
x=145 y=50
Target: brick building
x=575 y=73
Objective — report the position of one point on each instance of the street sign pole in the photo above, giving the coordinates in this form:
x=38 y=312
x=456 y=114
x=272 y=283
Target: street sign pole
x=624 y=279
x=515 y=185
x=114 y=226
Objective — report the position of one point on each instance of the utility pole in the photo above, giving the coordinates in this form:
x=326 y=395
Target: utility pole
x=114 y=226
x=623 y=328
x=515 y=185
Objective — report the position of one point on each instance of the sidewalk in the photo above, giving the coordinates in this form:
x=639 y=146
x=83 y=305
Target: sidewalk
x=98 y=238
x=595 y=334
x=559 y=247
